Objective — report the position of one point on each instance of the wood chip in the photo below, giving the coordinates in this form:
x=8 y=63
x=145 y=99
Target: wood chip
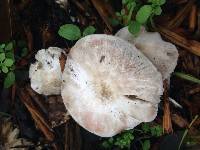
x=62 y=60
x=167 y=124
x=190 y=45
x=193 y=18
x=57 y=112
x=37 y=116
x=73 y=140
x=182 y=123
x=104 y=11
x=179 y=121
x=181 y=15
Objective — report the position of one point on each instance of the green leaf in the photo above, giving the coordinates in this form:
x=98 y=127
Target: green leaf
x=2 y=56
x=157 y=2
x=1 y=50
x=157 y=10
x=146 y=145
x=134 y=27
x=9 y=46
x=89 y=30
x=187 y=77
x=70 y=32
x=2 y=46
x=130 y=5
x=145 y=127
x=143 y=14
x=162 y=2
x=9 y=80
x=8 y=62
x=156 y=131
x=108 y=144
x=124 y=139
x=124 y=2
x=10 y=55
x=4 y=69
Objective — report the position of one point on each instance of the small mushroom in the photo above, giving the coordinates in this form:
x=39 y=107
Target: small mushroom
x=45 y=74
x=162 y=54
x=109 y=86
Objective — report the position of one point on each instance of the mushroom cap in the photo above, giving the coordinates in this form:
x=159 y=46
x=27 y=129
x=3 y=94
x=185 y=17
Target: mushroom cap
x=45 y=74
x=163 y=55
x=109 y=86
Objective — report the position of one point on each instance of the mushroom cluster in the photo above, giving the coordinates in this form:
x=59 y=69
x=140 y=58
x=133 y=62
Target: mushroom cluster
x=108 y=85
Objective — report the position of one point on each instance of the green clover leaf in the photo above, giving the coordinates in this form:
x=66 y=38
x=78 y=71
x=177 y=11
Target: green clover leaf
x=70 y=32
x=8 y=62
x=2 y=56
x=9 y=80
x=143 y=14
x=4 y=69
x=89 y=30
x=9 y=46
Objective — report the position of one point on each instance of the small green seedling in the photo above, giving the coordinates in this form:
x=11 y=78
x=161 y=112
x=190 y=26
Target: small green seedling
x=72 y=32
x=155 y=131
x=124 y=140
x=142 y=14
x=121 y=141
x=146 y=145
x=7 y=63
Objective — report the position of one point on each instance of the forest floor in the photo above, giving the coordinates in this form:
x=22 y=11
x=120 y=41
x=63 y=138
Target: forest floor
x=42 y=120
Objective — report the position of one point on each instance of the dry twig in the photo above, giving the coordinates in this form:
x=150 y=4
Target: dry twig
x=167 y=124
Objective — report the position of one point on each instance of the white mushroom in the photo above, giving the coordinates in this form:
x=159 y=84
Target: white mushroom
x=45 y=73
x=110 y=86
x=162 y=54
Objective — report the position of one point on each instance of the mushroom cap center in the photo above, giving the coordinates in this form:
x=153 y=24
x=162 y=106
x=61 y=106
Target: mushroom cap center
x=105 y=91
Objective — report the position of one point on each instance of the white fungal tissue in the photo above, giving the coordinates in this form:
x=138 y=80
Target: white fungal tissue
x=45 y=73
x=162 y=54
x=102 y=72
x=109 y=83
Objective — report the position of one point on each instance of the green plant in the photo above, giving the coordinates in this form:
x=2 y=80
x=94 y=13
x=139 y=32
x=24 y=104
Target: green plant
x=142 y=13
x=155 y=130
x=146 y=145
x=72 y=32
x=124 y=141
x=7 y=63
x=121 y=141
x=187 y=77
x=186 y=131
